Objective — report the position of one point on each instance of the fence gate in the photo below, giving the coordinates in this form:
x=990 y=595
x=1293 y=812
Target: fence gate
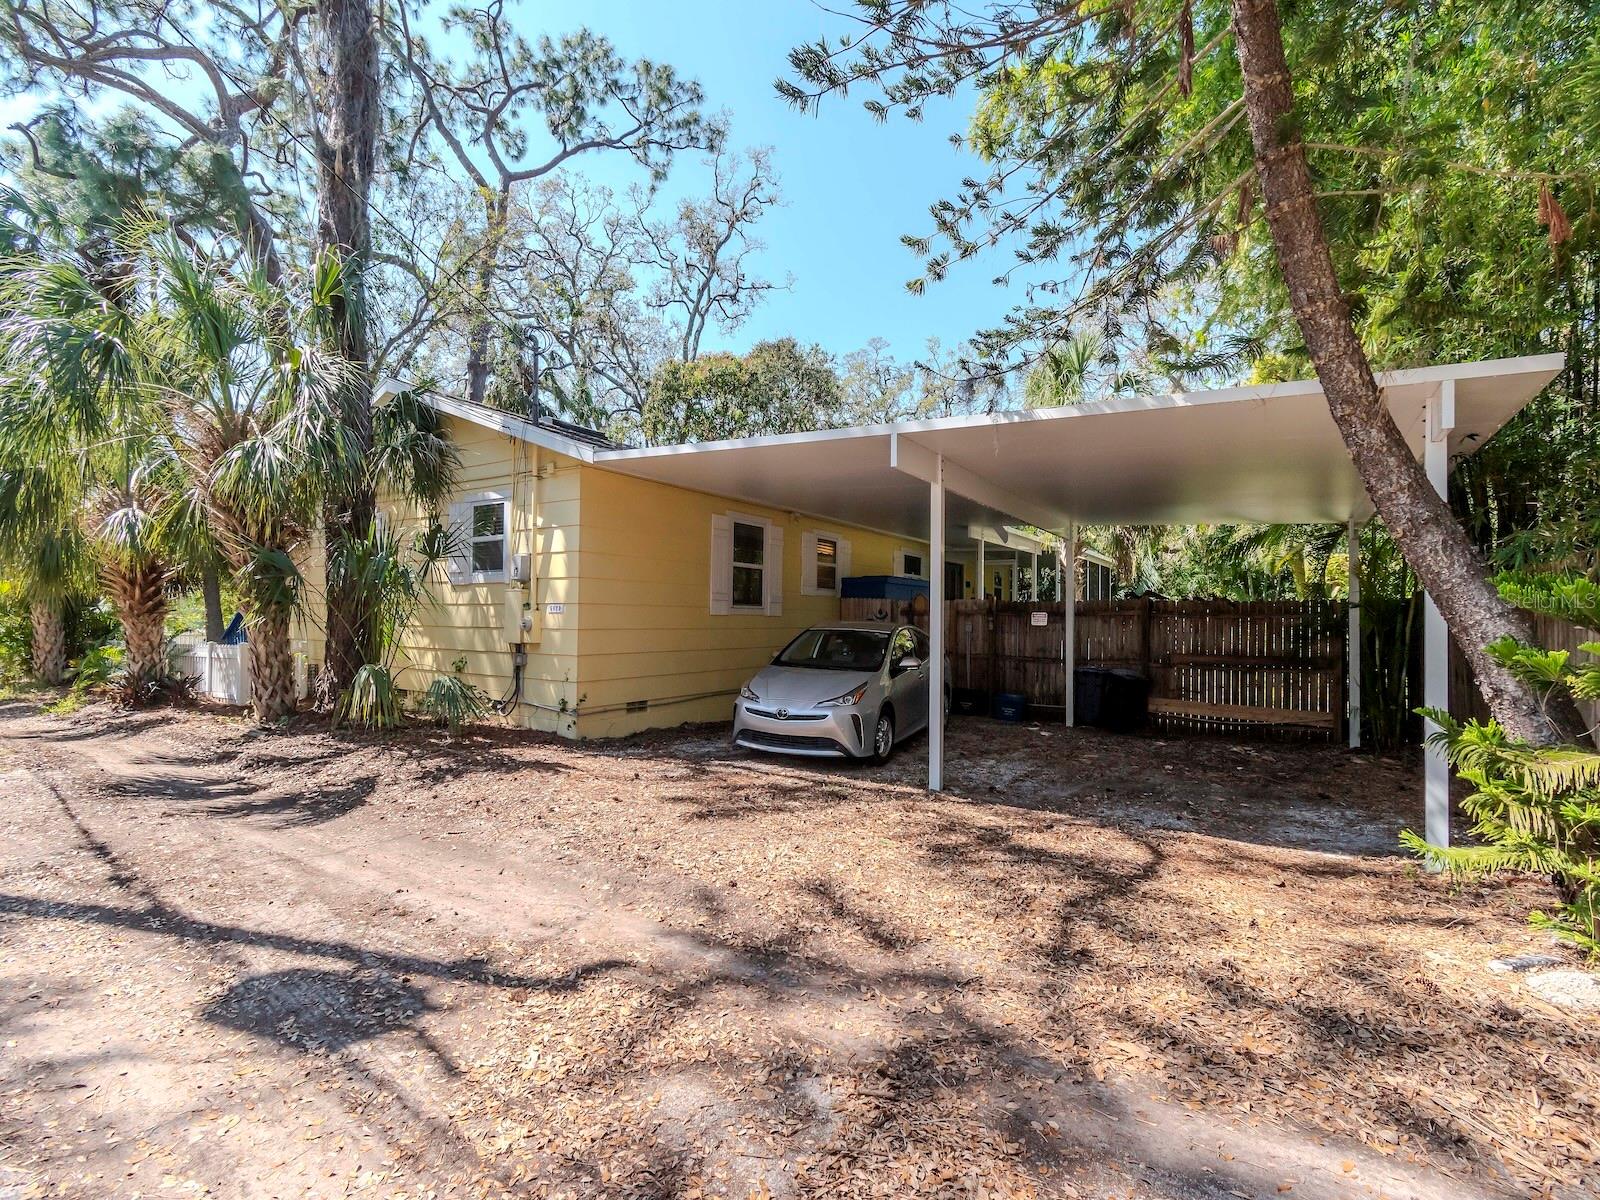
x=1214 y=665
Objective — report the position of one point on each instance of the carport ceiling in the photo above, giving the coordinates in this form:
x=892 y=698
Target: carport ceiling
x=1260 y=453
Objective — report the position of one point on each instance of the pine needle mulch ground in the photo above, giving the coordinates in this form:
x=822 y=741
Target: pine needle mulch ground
x=325 y=964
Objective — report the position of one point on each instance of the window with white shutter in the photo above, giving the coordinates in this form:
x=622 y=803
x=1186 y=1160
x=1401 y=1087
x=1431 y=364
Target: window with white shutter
x=746 y=565
x=824 y=562
x=479 y=532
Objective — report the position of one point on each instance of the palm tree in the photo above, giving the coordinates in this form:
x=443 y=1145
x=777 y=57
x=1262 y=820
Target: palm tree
x=205 y=409
x=83 y=466
x=1063 y=372
x=42 y=550
x=253 y=399
x=248 y=396
x=132 y=488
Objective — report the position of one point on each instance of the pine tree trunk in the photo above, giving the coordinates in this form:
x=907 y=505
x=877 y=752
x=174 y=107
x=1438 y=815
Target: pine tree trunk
x=496 y=212
x=346 y=151
x=49 y=650
x=211 y=593
x=271 y=667
x=140 y=596
x=1418 y=518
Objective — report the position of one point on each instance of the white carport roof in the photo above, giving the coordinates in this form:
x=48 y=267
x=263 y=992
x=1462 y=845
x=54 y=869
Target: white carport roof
x=1266 y=453
x=1257 y=453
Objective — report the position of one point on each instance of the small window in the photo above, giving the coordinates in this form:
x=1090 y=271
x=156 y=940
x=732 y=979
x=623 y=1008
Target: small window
x=487 y=535
x=911 y=564
x=749 y=565
x=827 y=563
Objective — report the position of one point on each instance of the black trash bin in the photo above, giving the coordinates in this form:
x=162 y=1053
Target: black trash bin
x=1125 y=706
x=969 y=702
x=1088 y=694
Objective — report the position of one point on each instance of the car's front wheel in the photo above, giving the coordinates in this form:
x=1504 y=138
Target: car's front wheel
x=883 y=736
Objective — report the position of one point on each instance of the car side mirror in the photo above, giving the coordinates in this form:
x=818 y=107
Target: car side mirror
x=909 y=663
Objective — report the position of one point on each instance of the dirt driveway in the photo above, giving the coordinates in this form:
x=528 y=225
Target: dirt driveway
x=308 y=964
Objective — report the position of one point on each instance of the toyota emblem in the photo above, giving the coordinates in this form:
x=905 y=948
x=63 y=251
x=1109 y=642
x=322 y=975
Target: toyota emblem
x=783 y=714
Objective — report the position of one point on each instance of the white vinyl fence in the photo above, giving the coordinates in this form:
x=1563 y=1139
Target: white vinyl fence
x=223 y=671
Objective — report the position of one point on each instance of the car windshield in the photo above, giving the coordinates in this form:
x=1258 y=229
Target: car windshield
x=836 y=650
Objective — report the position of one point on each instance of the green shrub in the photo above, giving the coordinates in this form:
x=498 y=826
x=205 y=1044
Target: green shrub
x=98 y=667
x=453 y=701
x=371 y=701
x=1534 y=808
x=16 y=631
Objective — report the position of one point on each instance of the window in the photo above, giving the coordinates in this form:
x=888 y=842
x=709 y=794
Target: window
x=488 y=537
x=1099 y=581
x=835 y=650
x=909 y=562
x=746 y=565
x=827 y=564
x=903 y=647
x=479 y=526
x=824 y=563
x=749 y=565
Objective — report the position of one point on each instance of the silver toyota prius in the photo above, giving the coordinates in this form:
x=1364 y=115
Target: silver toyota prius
x=850 y=690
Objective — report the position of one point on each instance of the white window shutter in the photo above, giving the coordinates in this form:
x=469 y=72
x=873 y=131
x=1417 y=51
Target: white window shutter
x=774 y=570
x=458 y=566
x=721 y=564
x=843 y=568
x=808 y=563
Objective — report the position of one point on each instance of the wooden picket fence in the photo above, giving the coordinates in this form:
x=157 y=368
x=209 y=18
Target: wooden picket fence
x=1550 y=632
x=1213 y=665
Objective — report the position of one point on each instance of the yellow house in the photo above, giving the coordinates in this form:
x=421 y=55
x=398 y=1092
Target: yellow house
x=594 y=602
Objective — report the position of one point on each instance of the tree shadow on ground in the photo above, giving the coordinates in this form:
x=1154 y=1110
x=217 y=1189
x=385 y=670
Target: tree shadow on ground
x=168 y=922
x=284 y=809
x=306 y=1008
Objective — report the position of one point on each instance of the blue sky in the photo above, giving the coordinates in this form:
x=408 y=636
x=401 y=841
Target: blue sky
x=852 y=186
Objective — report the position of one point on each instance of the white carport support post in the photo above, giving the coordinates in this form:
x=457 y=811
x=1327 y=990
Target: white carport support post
x=1353 y=637
x=1067 y=588
x=936 y=627
x=983 y=585
x=1441 y=419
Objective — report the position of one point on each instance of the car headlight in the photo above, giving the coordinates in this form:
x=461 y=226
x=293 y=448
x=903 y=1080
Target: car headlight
x=845 y=701
x=748 y=693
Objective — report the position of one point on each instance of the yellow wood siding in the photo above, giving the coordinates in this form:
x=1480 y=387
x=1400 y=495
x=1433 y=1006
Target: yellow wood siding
x=629 y=561
x=645 y=627
x=468 y=620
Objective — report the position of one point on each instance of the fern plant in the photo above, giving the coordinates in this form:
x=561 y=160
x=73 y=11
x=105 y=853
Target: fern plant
x=1534 y=808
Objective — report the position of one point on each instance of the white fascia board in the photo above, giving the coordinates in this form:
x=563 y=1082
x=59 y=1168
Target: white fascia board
x=912 y=458
x=389 y=386
x=1488 y=368
x=511 y=425
x=1008 y=538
